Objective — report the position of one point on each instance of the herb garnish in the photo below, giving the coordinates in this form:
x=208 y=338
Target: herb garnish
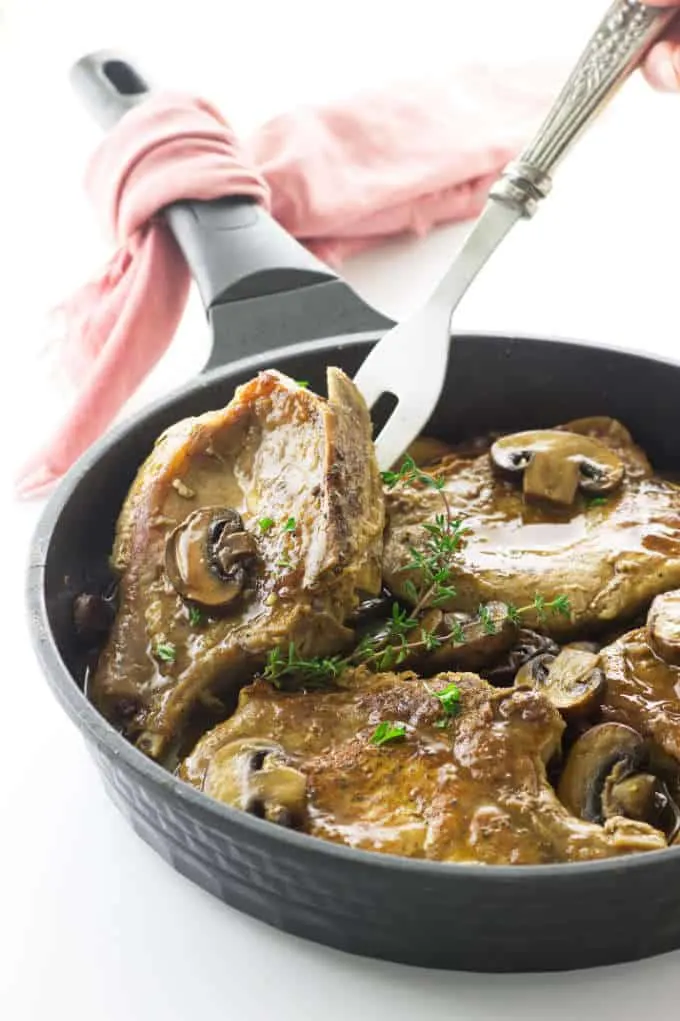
x=290 y=525
x=403 y=633
x=265 y=524
x=166 y=652
x=195 y=616
x=449 y=698
x=597 y=501
x=386 y=732
x=312 y=672
x=303 y=383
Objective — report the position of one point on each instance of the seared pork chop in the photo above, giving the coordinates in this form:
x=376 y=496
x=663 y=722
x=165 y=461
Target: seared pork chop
x=643 y=676
x=246 y=528
x=609 y=554
x=466 y=788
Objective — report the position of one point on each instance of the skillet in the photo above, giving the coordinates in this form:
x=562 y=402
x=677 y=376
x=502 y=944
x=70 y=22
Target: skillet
x=270 y=304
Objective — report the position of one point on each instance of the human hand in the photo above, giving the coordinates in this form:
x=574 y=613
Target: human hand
x=661 y=67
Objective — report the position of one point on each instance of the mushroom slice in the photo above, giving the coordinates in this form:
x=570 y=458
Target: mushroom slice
x=526 y=645
x=641 y=796
x=663 y=627
x=572 y=680
x=369 y=611
x=555 y=464
x=614 y=435
x=612 y=772
x=585 y=646
x=252 y=774
x=205 y=556
x=591 y=761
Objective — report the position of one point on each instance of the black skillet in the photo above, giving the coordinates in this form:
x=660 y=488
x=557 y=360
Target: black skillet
x=269 y=304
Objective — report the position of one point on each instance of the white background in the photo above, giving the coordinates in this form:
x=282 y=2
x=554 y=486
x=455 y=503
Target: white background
x=92 y=924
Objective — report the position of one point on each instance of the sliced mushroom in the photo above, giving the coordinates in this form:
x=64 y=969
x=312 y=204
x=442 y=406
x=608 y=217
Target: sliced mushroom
x=632 y=795
x=206 y=556
x=555 y=464
x=252 y=774
x=593 y=647
x=611 y=771
x=572 y=680
x=591 y=760
x=527 y=644
x=663 y=627
x=614 y=435
x=370 y=610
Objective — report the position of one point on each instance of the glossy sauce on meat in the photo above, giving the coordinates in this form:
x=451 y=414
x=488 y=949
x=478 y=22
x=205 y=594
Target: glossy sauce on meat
x=474 y=790
x=610 y=556
x=250 y=552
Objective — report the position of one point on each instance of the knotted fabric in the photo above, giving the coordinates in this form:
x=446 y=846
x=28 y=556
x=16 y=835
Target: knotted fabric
x=341 y=178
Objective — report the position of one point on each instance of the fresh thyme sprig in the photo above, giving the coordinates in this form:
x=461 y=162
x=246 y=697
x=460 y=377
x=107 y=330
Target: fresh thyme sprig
x=445 y=536
x=315 y=672
x=403 y=633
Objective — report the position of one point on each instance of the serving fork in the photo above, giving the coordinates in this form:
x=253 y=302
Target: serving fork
x=613 y=52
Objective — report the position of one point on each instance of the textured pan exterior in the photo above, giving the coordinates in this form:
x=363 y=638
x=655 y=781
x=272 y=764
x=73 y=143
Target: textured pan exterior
x=449 y=916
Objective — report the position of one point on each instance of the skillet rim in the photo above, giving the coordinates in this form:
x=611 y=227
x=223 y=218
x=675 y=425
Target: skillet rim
x=146 y=771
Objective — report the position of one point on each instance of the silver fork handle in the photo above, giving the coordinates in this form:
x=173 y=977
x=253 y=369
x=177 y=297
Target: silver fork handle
x=616 y=48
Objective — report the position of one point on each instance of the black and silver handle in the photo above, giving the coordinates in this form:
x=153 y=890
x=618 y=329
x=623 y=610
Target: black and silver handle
x=234 y=248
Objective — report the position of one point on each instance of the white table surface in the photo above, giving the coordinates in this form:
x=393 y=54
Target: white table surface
x=92 y=924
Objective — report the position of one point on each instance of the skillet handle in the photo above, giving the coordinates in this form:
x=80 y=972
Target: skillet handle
x=234 y=249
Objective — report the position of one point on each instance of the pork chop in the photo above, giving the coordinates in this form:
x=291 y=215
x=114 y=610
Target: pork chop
x=642 y=690
x=246 y=528
x=465 y=788
x=609 y=554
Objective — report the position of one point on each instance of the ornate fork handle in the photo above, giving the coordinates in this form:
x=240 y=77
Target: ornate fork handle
x=618 y=45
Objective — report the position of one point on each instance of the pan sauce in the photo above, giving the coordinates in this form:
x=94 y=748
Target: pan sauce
x=473 y=778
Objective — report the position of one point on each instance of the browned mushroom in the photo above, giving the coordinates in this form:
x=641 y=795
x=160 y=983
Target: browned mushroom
x=585 y=646
x=526 y=645
x=572 y=680
x=252 y=774
x=611 y=771
x=614 y=435
x=663 y=627
x=205 y=556
x=555 y=464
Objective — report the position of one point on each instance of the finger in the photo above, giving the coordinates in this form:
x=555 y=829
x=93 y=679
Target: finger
x=661 y=67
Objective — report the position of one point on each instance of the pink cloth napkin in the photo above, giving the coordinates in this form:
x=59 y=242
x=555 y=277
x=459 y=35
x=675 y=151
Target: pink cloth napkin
x=341 y=177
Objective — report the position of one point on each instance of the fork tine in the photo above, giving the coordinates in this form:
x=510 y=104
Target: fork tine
x=408 y=418
x=369 y=383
